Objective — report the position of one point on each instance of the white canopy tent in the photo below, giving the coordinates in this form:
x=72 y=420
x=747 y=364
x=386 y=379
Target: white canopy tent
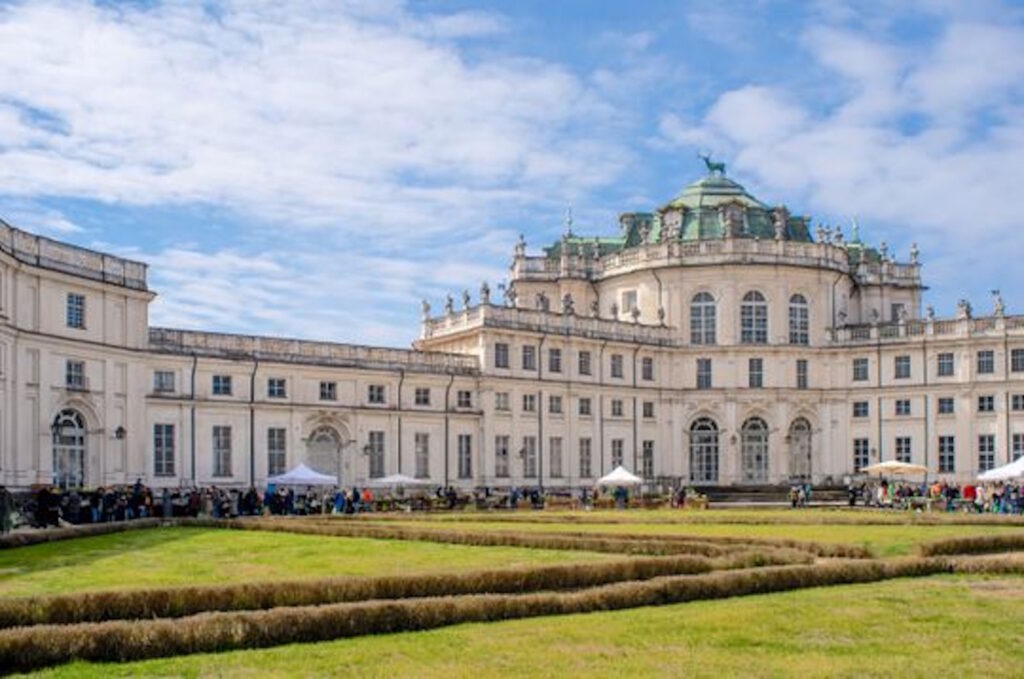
x=1014 y=470
x=395 y=480
x=620 y=476
x=303 y=476
x=895 y=468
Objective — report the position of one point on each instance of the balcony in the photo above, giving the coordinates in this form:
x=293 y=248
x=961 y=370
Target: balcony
x=902 y=331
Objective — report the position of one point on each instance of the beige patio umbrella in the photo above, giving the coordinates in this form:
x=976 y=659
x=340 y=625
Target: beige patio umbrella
x=895 y=468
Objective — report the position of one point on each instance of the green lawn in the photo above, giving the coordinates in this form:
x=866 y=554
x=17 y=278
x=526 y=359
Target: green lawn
x=930 y=627
x=189 y=556
x=884 y=540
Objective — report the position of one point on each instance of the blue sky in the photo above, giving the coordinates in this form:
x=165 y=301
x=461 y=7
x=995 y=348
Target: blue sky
x=314 y=169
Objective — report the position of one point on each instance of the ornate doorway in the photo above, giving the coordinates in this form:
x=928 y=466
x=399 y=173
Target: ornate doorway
x=68 y=449
x=323 y=451
x=800 y=450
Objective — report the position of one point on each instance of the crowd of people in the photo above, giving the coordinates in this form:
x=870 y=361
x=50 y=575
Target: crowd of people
x=995 y=498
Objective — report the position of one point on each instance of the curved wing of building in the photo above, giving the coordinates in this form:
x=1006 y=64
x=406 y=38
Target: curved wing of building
x=713 y=341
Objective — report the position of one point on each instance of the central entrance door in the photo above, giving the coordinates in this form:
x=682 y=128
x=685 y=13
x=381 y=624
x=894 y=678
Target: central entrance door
x=68 y=449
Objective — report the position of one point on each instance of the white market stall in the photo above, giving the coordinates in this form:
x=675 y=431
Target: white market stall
x=620 y=476
x=303 y=476
x=1007 y=472
x=895 y=468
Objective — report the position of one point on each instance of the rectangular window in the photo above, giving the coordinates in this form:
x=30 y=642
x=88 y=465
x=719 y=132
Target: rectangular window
x=529 y=358
x=586 y=459
x=74 y=375
x=465 y=456
x=163 y=382
x=529 y=403
x=860 y=370
x=946 y=405
x=647 y=460
x=277 y=462
x=375 y=393
x=222 y=385
x=986 y=362
x=583 y=362
x=584 y=406
x=617 y=452
x=163 y=450
x=276 y=387
x=861 y=454
x=902 y=406
x=1017 y=401
x=501 y=401
x=628 y=301
x=901 y=367
x=500 y=355
x=986 y=452
x=75 y=310
x=421 y=396
x=421 y=449
x=799 y=321
x=328 y=391
x=529 y=455
x=1018 y=446
x=555 y=405
x=617 y=366
x=554 y=360
x=986 y=404
x=801 y=373
x=376 y=454
x=463 y=399
x=221 y=450
x=647 y=369
x=648 y=410
x=903 y=449
x=755 y=373
x=501 y=446
x=1017 y=360
x=555 y=457
x=616 y=407
x=946 y=364
x=703 y=373
x=860 y=408
x=947 y=454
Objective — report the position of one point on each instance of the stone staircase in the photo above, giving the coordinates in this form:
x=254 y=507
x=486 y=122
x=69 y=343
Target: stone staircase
x=770 y=495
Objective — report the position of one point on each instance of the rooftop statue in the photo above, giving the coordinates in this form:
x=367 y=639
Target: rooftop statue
x=714 y=167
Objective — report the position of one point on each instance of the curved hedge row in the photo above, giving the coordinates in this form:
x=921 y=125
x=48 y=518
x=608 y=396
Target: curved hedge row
x=174 y=602
x=30 y=648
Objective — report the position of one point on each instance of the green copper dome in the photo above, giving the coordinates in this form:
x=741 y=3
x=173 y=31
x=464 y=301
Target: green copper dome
x=712 y=191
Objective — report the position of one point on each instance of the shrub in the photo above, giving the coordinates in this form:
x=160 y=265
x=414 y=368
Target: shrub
x=35 y=537
x=981 y=544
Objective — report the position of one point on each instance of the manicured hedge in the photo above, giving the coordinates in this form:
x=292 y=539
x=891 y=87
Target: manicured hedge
x=981 y=544
x=173 y=602
x=30 y=648
x=625 y=544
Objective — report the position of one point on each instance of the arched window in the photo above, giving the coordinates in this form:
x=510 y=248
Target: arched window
x=754 y=319
x=799 y=320
x=323 y=450
x=68 y=430
x=704 y=451
x=755 y=451
x=702 y=319
x=800 y=454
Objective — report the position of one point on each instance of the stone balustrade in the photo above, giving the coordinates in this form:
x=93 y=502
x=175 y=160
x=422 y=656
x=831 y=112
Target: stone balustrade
x=896 y=332
x=248 y=347
x=50 y=254
x=714 y=253
x=548 y=322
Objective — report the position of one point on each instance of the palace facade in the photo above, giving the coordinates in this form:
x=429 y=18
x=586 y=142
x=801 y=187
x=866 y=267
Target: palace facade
x=713 y=341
